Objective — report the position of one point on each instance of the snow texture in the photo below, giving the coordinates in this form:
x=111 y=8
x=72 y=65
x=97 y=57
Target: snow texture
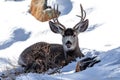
x=19 y=29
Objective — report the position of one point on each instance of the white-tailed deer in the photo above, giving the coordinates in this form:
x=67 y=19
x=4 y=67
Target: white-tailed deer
x=42 y=56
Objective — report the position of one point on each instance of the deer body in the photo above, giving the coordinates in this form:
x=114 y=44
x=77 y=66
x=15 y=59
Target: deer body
x=37 y=54
x=42 y=56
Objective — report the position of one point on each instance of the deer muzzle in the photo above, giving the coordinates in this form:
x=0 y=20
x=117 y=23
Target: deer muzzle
x=68 y=44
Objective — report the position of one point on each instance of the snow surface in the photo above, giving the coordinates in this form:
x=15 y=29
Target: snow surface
x=19 y=29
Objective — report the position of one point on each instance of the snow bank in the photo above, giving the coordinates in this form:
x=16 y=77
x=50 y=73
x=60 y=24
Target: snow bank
x=102 y=37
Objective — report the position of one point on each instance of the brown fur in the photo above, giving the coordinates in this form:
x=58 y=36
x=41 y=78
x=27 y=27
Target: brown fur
x=42 y=56
x=38 y=10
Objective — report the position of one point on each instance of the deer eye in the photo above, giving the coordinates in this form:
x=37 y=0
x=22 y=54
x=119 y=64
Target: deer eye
x=74 y=35
x=63 y=35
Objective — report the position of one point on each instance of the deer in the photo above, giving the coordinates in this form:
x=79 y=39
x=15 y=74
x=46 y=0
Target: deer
x=42 y=56
x=41 y=11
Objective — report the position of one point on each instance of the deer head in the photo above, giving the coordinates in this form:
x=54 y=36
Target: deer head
x=70 y=35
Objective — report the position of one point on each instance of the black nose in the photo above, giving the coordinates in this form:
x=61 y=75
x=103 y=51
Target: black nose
x=68 y=44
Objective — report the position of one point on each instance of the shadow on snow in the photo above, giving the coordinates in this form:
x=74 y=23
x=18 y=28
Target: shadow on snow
x=17 y=35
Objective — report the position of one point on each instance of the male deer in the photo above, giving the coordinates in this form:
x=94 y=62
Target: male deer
x=42 y=56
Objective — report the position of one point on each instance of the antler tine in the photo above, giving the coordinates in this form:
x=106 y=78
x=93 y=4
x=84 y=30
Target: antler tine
x=56 y=14
x=83 y=13
x=56 y=21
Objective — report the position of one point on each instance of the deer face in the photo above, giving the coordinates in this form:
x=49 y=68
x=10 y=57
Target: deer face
x=70 y=35
x=69 y=39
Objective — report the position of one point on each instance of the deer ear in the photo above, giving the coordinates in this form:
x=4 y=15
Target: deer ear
x=55 y=28
x=82 y=26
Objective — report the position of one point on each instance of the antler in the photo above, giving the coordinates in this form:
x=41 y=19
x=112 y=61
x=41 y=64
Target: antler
x=83 y=15
x=55 y=20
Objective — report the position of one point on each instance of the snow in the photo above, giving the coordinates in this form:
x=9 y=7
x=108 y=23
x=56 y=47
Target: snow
x=19 y=29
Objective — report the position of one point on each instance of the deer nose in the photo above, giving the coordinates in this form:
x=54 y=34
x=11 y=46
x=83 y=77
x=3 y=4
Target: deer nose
x=68 y=44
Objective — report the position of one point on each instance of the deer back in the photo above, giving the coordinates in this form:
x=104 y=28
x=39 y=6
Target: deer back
x=30 y=54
